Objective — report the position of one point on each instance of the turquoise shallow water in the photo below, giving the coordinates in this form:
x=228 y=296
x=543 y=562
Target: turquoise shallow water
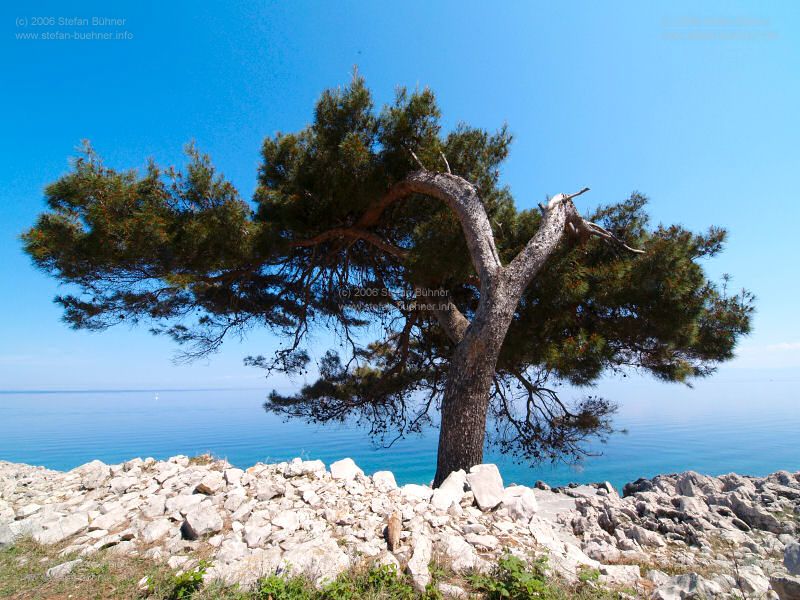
x=682 y=429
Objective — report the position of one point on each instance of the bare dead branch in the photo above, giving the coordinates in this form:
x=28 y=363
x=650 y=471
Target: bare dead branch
x=446 y=164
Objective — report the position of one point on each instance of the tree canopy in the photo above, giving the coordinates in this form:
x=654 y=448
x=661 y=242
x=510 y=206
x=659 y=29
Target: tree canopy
x=336 y=239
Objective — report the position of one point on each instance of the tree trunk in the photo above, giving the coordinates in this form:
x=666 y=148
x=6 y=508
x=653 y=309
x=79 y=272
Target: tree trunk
x=463 y=417
x=466 y=397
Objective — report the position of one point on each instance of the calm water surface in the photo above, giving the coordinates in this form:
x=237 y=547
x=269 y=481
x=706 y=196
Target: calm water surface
x=710 y=433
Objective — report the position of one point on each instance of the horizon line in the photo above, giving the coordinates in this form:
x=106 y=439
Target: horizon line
x=124 y=390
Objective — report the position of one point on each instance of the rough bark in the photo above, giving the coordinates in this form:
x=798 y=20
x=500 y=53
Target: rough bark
x=469 y=381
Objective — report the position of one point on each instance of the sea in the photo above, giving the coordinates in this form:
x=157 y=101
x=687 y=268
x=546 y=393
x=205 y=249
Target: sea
x=744 y=426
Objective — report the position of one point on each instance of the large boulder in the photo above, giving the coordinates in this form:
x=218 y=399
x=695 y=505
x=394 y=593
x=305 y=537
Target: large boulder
x=345 y=469
x=384 y=481
x=787 y=588
x=451 y=491
x=412 y=491
x=520 y=502
x=752 y=581
x=201 y=521
x=60 y=528
x=298 y=467
x=155 y=530
x=320 y=559
x=417 y=566
x=688 y=585
x=459 y=553
x=93 y=474
x=486 y=485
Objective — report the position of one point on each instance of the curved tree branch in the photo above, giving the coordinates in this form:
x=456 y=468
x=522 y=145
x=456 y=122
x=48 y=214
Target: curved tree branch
x=353 y=233
x=462 y=198
x=559 y=216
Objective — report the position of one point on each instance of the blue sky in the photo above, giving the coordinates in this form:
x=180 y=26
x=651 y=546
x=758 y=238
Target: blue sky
x=694 y=105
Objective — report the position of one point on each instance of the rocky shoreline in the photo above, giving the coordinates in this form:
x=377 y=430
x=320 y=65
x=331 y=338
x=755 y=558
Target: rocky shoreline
x=670 y=537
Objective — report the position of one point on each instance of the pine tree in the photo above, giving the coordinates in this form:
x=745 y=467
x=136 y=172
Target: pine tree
x=400 y=238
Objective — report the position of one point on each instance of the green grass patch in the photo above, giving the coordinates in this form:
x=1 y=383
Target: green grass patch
x=106 y=576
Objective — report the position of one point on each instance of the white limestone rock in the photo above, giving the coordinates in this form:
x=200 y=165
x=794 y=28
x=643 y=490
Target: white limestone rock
x=287 y=520
x=233 y=476
x=791 y=558
x=459 y=553
x=620 y=575
x=93 y=474
x=62 y=570
x=183 y=503
x=201 y=521
x=256 y=535
x=787 y=588
x=450 y=491
x=345 y=470
x=155 y=530
x=487 y=485
x=453 y=592
x=111 y=520
x=417 y=565
x=384 y=481
x=210 y=484
x=26 y=511
x=60 y=528
x=520 y=502
x=413 y=491
x=321 y=559
x=154 y=506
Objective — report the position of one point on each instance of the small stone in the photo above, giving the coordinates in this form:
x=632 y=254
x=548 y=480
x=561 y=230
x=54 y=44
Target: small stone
x=791 y=558
x=450 y=591
x=62 y=570
x=482 y=541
